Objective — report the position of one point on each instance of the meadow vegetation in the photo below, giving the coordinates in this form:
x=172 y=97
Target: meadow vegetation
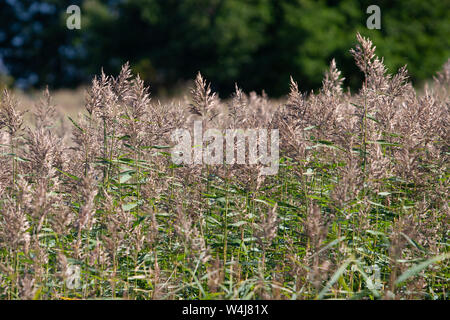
x=358 y=210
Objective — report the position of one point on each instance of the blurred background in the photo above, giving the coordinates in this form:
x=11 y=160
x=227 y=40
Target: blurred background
x=257 y=44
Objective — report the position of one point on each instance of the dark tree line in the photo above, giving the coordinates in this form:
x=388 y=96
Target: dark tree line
x=256 y=43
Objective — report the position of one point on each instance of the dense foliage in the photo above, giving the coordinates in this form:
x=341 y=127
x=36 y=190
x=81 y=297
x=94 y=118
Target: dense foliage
x=358 y=209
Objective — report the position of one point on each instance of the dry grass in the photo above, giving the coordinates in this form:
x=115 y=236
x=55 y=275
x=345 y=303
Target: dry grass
x=359 y=208
x=66 y=101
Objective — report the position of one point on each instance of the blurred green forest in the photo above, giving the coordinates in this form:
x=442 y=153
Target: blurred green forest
x=255 y=43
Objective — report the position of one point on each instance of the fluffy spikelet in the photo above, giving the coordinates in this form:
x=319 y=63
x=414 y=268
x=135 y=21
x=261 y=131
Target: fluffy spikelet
x=268 y=226
x=364 y=53
x=443 y=77
x=10 y=117
x=87 y=210
x=122 y=83
x=296 y=100
x=366 y=60
x=45 y=111
x=14 y=226
x=332 y=82
x=204 y=101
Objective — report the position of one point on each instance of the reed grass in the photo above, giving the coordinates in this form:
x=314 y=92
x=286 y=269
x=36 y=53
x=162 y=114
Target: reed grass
x=358 y=210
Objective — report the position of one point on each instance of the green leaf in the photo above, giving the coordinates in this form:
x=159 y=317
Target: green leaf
x=155 y=147
x=238 y=224
x=385 y=143
x=334 y=278
x=372 y=118
x=67 y=174
x=76 y=124
x=125 y=176
x=369 y=282
x=414 y=270
x=329 y=245
x=412 y=242
x=129 y=206
x=357 y=105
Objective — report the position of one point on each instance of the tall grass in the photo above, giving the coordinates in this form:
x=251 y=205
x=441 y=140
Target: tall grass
x=358 y=210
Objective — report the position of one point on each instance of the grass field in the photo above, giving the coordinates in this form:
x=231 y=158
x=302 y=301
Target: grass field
x=94 y=208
